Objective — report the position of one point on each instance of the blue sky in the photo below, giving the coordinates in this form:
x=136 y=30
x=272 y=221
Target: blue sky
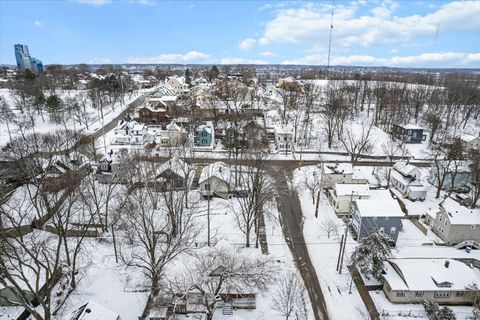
x=378 y=32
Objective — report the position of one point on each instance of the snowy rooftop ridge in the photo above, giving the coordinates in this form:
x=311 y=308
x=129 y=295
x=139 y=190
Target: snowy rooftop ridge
x=379 y=208
x=429 y=275
x=458 y=214
x=219 y=170
x=356 y=189
x=92 y=311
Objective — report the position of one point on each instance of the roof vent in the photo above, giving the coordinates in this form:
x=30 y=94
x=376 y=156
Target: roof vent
x=447 y=263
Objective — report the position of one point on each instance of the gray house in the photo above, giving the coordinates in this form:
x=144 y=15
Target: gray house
x=408 y=133
x=370 y=215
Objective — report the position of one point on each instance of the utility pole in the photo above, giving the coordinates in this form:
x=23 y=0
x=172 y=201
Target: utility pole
x=208 y=213
x=340 y=252
x=346 y=234
x=318 y=202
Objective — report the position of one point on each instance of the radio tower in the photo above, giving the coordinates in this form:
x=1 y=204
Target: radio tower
x=330 y=40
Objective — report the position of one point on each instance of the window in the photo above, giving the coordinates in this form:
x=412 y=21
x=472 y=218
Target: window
x=393 y=230
x=418 y=293
x=374 y=218
x=442 y=294
x=472 y=226
x=401 y=293
x=460 y=293
x=387 y=218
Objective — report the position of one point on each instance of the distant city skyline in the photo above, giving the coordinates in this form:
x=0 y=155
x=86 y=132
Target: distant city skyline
x=25 y=60
x=430 y=34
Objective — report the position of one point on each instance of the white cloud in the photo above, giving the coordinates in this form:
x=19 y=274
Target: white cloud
x=241 y=61
x=94 y=3
x=189 y=57
x=436 y=58
x=268 y=54
x=99 y=61
x=38 y=23
x=310 y=24
x=247 y=44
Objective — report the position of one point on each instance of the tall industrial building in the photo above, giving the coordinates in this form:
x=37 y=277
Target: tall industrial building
x=25 y=61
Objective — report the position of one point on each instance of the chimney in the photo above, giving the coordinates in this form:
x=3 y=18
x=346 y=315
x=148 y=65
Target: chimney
x=447 y=263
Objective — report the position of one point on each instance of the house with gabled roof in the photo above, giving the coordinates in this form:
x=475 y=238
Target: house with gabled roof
x=342 y=195
x=93 y=311
x=408 y=133
x=455 y=223
x=216 y=180
x=405 y=178
x=445 y=281
x=378 y=214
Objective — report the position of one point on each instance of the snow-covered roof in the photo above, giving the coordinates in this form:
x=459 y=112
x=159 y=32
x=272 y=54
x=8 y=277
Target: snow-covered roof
x=338 y=168
x=379 y=208
x=138 y=127
x=346 y=189
x=216 y=169
x=169 y=98
x=410 y=126
x=404 y=180
x=430 y=275
x=404 y=168
x=204 y=127
x=172 y=126
x=458 y=214
x=176 y=165
x=468 y=137
x=283 y=129
x=93 y=311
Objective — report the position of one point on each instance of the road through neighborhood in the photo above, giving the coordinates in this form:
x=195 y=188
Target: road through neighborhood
x=292 y=224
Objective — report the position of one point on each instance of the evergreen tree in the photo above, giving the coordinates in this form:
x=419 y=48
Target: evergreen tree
x=54 y=106
x=371 y=253
x=434 y=312
x=213 y=73
x=6 y=115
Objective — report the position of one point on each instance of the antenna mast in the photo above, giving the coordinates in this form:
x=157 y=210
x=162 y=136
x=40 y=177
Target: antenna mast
x=330 y=40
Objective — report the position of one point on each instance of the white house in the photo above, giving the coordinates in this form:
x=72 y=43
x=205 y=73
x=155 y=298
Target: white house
x=173 y=135
x=406 y=178
x=333 y=173
x=130 y=132
x=284 y=138
x=342 y=195
x=216 y=179
x=177 y=83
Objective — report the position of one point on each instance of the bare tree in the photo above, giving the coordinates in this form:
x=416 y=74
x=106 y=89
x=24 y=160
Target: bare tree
x=151 y=243
x=474 y=158
x=357 y=143
x=312 y=184
x=335 y=111
x=223 y=268
x=259 y=189
x=31 y=266
x=289 y=297
x=329 y=226
x=393 y=148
